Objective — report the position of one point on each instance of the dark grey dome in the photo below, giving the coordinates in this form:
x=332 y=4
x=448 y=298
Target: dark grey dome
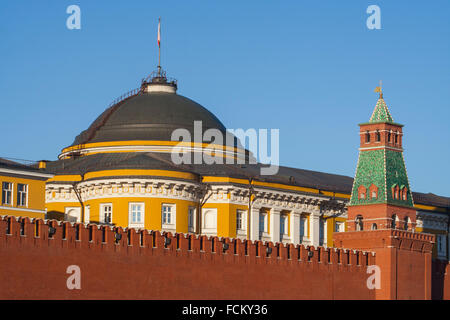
x=148 y=116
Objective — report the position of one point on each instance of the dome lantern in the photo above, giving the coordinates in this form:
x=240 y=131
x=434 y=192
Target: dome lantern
x=157 y=81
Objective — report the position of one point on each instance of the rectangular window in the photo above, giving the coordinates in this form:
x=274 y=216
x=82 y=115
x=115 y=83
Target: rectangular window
x=106 y=213
x=262 y=222
x=136 y=215
x=240 y=220
x=6 y=193
x=22 y=190
x=303 y=227
x=339 y=226
x=322 y=231
x=283 y=223
x=191 y=219
x=167 y=214
x=441 y=245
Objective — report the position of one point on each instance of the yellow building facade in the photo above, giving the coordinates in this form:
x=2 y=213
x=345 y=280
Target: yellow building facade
x=22 y=190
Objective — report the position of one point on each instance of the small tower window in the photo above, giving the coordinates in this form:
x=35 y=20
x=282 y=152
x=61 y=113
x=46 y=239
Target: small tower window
x=373 y=191
x=367 y=136
x=394 y=221
x=395 y=192
x=404 y=194
x=374 y=226
x=362 y=193
x=405 y=226
x=377 y=136
x=389 y=136
x=359 y=223
x=396 y=138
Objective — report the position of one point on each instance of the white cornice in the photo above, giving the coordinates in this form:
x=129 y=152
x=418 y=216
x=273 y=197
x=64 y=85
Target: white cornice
x=26 y=173
x=381 y=147
x=22 y=209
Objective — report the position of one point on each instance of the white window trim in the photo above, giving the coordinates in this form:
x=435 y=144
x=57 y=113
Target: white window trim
x=140 y=224
x=264 y=234
x=26 y=195
x=194 y=219
x=285 y=233
x=339 y=225
x=243 y=230
x=173 y=217
x=11 y=203
x=102 y=212
x=285 y=237
x=303 y=237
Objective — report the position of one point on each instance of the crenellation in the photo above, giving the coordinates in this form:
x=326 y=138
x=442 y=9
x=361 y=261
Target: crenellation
x=94 y=237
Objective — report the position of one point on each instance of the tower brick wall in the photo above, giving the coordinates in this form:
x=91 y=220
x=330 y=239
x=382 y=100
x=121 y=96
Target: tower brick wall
x=385 y=139
x=404 y=259
x=441 y=280
x=381 y=215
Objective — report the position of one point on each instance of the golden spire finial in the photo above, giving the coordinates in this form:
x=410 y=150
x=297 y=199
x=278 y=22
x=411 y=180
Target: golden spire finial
x=380 y=89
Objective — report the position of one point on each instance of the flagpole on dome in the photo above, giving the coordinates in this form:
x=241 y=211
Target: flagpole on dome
x=159 y=47
x=157 y=81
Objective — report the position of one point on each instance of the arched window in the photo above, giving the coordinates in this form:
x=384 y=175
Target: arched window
x=396 y=137
x=394 y=221
x=395 y=191
x=374 y=226
x=406 y=222
x=404 y=193
x=359 y=223
x=389 y=136
x=373 y=191
x=377 y=136
x=367 y=136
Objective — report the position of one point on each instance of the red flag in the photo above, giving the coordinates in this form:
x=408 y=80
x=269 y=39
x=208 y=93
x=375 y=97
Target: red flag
x=159 y=32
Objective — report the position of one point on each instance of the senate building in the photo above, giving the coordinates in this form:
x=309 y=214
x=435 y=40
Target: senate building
x=119 y=173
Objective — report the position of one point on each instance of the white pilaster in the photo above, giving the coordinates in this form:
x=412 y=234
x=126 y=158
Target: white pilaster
x=87 y=214
x=314 y=227
x=254 y=223
x=275 y=225
x=295 y=227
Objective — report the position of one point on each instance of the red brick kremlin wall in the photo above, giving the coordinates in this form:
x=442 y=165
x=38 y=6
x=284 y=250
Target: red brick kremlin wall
x=441 y=280
x=141 y=266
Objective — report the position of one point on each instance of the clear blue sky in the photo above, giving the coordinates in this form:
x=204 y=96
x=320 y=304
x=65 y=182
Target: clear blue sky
x=308 y=68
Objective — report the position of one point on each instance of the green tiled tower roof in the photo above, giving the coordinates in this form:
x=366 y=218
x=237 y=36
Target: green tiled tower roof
x=382 y=168
x=385 y=169
x=381 y=112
